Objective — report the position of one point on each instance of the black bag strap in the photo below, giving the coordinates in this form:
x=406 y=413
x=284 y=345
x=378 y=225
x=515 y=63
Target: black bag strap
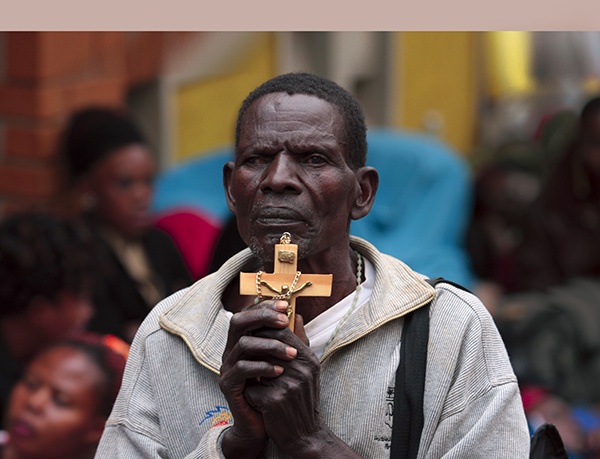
x=547 y=444
x=408 y=418
x=410 y=385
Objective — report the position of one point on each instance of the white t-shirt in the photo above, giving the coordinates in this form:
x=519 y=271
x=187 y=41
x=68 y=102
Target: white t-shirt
x=320 y=329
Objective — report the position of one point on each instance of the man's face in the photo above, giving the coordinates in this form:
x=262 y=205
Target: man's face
x=291 y=174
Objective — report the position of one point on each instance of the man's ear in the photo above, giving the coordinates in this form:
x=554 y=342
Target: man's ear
x=368 y=182
x=227 y=173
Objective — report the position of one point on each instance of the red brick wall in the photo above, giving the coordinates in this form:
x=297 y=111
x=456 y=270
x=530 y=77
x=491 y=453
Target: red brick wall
x=46 y=76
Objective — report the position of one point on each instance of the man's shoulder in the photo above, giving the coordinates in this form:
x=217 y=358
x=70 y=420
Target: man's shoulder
x=458 y=298
x=186 y=303
x=152 y=321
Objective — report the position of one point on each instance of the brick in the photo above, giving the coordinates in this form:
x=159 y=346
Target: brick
x=33 y=102
x=21 y=50
x=32 y=142
x=29 y=182
x=108 y=49
x=42 y=55
x=97 y=91
x=145 y=55
x=2 y=139
x=14 y=204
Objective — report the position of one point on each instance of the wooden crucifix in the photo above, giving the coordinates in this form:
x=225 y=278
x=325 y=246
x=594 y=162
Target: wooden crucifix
x=286 y=282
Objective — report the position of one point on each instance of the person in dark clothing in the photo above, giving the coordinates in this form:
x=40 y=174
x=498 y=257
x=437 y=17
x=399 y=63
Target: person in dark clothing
x=111 y=171
x=550 y=320
x=562 y=237
x=228 y=244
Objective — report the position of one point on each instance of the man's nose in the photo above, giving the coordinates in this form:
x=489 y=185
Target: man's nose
x=281 y=175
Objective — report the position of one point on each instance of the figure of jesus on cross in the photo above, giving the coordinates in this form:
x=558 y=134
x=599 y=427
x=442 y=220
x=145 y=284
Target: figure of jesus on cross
x=286 y=282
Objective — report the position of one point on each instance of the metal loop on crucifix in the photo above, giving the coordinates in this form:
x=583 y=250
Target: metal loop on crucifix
x=285 y=278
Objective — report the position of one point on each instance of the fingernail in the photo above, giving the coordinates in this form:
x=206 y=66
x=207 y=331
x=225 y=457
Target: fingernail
x=278 y=369
x=281 y=305
x=282 y=319
x=291 y=351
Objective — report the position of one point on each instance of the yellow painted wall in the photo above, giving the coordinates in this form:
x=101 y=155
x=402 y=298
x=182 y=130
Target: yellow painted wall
x=206 y=110
x=509 y=56
x=435 y=74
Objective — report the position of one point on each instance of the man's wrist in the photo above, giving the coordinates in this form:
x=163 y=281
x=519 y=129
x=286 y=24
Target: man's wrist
x=235 y=447
x=323 y=444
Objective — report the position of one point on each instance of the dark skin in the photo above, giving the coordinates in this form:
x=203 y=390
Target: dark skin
x=291 y=173
x=122 y=185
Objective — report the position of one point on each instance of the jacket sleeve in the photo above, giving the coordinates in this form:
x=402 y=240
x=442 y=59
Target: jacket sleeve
x=472 y=402
x=121 y=441
x=133 y=429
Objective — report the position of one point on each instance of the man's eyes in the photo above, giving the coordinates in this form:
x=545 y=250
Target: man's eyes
x=310 y=158
x=257 y=159
x=315 y=159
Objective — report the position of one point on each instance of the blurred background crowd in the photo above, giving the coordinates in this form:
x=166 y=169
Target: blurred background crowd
x=111 y=151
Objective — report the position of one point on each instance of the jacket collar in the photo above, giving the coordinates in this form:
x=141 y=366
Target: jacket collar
x=201 y=321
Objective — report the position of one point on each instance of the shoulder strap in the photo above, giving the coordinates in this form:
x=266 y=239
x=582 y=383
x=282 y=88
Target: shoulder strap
x=546 y=443
x=410 y=385
x=408 y=416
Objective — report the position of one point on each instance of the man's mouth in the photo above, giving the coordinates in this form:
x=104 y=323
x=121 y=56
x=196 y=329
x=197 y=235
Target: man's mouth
x=277 y=216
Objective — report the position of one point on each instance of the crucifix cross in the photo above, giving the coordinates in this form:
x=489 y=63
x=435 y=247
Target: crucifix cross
x=286 y=282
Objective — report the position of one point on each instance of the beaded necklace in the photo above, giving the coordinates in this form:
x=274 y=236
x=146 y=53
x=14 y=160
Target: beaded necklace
x=359 y=265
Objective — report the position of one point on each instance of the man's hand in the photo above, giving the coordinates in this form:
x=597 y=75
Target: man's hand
x=289 y=403
x=247 y=359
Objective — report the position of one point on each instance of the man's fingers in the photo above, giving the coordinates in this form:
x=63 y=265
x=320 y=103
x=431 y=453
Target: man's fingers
x=300 y=331
x=253 y=346
x=269 y=314
x=236 y=379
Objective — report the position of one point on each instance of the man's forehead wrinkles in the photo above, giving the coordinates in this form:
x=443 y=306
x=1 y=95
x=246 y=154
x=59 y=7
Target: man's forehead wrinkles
x=278 y=105
x=324 y=128
x=295 y=114
x=315 y=136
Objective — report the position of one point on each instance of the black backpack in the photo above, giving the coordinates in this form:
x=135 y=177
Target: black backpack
x=410 y=386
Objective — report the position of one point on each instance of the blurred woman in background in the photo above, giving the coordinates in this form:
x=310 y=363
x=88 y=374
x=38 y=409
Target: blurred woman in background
x=59 y=407
x=111 y=171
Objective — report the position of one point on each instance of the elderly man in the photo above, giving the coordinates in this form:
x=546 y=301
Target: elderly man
x=214 y=373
